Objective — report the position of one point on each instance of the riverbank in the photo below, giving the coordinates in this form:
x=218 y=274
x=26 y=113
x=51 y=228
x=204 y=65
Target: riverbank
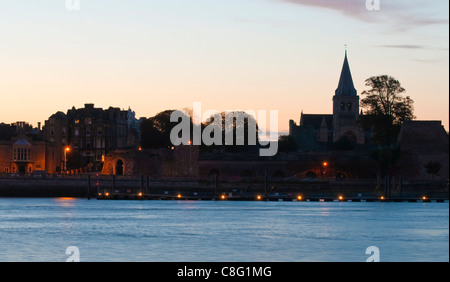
x=144 y=187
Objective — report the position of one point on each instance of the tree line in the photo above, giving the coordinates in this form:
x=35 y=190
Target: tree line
x=155 y=131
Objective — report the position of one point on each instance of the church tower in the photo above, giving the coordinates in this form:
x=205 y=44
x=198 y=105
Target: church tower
x=346 y=107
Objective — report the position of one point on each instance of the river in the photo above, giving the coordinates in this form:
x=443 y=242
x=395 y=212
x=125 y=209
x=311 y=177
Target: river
x=43 y=229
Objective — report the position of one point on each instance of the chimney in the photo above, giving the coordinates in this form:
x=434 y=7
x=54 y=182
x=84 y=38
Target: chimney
x=39 y=126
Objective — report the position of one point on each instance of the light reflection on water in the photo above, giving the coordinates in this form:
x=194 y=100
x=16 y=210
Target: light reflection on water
x=42 y=229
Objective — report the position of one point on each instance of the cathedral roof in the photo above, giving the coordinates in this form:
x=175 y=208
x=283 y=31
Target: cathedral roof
x=316 y=120
x=346 y=86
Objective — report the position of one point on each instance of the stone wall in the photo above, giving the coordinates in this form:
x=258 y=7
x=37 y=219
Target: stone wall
x=181 y=161
x=5 y=158
x=422 y=142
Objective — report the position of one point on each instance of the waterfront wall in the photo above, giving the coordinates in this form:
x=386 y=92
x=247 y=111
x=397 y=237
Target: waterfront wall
x=91 y=186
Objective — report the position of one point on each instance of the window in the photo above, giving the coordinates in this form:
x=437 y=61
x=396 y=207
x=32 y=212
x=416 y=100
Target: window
x=63 y=131
x=76 y=131
x=22 y=154
x=98 y=143
x=342 y=106
x=349 y=106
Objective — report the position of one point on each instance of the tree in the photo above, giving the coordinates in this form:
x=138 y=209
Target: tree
x=155 y=131
x=385 y=108
x=239 y=126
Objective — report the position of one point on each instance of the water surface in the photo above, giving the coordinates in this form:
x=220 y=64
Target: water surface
x=42 y=230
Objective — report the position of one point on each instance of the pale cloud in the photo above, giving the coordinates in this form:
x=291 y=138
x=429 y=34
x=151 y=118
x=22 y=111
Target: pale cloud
x=414 y=47
x=398 y=15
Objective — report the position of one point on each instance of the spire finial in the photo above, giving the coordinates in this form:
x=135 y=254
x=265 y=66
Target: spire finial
x=345 y=45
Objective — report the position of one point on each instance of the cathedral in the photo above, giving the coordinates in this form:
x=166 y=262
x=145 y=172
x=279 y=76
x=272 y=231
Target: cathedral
x=315 y=131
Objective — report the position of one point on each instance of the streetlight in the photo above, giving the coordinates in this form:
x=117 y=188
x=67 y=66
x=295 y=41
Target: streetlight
x=190 y=156
x=67 y=149
x=324 y=166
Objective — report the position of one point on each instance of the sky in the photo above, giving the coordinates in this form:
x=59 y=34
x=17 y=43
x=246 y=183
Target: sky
x=154 y=55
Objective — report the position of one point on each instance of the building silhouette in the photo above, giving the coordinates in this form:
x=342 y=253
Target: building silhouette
x=88 y=134
x=22 y=148
x=316 y=130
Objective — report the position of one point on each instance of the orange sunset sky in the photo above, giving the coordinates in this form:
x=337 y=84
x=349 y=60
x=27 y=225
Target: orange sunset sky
x=283 y=55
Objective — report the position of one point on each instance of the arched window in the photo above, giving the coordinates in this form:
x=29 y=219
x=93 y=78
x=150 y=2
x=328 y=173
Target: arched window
x=349 y=106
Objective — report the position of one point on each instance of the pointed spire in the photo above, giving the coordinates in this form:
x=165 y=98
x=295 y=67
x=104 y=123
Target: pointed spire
x=346 y=86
